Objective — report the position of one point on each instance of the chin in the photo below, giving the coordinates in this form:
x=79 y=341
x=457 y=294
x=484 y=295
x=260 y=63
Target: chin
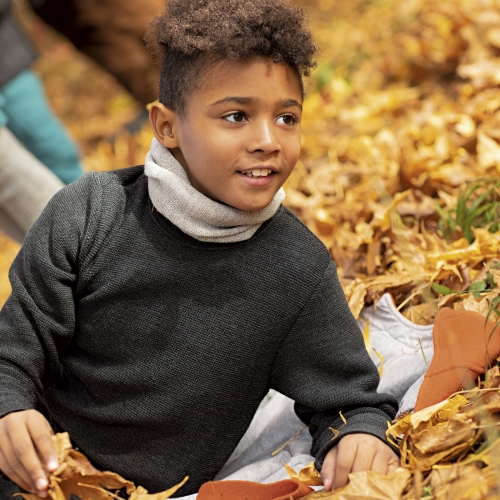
x=252 y=203
x=252 y=207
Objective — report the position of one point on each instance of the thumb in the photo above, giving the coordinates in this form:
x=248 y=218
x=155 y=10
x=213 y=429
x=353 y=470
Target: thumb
x=328 y=469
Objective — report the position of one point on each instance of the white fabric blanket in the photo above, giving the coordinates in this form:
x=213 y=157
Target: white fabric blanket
x=406 y=350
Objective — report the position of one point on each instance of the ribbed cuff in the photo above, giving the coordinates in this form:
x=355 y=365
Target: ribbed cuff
x=373 y=423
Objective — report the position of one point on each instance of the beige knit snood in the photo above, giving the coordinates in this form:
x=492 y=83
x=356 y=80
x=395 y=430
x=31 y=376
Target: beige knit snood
x=191 y=211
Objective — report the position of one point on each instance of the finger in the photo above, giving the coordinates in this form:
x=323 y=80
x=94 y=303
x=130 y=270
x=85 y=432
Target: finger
x=364 y=456
x=11 y=466
x=24 y=459
x=394 y=463
x=380 y=462
x=327 y=470
x=344 y=462
x=41 y=434
x=363 y=460
x=11 y=474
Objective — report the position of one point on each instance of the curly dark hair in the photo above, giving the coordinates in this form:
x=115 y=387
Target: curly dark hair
x=190 y=35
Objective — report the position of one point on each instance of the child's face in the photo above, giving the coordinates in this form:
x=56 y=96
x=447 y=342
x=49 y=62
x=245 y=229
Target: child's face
x=239 y=138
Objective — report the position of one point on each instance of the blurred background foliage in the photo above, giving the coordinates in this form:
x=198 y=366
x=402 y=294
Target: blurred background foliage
x=400 y=169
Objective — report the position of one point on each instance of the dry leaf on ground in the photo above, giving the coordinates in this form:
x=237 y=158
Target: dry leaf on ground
x=77 y=476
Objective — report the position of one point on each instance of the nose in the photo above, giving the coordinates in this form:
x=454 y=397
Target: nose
x=264 y=138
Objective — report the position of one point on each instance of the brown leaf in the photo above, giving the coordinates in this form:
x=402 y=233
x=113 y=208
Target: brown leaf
x=84 y=490
x=444 y=436
x=77 y=476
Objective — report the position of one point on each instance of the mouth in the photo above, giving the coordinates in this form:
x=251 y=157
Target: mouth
x=258 y=172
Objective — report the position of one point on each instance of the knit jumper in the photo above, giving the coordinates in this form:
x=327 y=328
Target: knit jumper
x=154 y=350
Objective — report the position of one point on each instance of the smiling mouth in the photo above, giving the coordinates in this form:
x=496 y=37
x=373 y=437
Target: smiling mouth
x=258 y=172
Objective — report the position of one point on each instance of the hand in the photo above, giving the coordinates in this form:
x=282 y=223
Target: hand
x=356 y=453
x=24 y=437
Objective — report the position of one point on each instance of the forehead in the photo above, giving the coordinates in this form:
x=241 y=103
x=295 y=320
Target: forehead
x=260 y=78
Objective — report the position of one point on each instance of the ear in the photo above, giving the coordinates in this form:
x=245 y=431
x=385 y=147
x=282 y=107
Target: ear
x=163 y=122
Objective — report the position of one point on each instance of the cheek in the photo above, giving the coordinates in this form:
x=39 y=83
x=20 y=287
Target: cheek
x=198 y=153
x=292 y=149
x=222 y=154
x=212 y=148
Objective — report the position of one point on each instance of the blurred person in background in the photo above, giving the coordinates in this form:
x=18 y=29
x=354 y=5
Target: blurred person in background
x=108 y=31
x=24 y=105
x=111 y=33
x=26 y=185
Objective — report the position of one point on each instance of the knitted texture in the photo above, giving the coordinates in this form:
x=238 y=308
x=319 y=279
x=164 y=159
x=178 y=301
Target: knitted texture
x=154 y=350
x=194 y=213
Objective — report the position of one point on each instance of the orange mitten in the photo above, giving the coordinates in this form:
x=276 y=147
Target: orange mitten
x=464 y=346
x=248 y=490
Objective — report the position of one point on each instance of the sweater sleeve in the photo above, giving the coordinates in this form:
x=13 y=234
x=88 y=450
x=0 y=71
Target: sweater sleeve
x=38 y=320
x=324 y=367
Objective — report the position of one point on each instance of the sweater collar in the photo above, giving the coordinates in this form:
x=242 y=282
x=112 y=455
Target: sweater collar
x=191 y=211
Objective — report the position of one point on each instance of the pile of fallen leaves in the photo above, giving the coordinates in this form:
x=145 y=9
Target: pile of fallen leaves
x=401 y=165
x=77 y=476
x=453 y=449
x=449 y=451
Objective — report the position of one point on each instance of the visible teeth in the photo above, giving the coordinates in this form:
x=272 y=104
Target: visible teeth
x=258 y=172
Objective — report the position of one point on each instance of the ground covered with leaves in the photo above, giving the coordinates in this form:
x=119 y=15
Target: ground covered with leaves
x=399 y=177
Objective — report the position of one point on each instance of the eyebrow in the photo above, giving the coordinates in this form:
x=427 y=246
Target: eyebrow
x=246 y=101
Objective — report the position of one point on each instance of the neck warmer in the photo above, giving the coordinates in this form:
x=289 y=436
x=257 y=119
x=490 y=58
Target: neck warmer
x=191 y=211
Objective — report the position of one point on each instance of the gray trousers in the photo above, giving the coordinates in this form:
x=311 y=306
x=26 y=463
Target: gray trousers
x=26 y=186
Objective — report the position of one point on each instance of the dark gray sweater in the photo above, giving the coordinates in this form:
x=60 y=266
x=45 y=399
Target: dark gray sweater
x=154 y=350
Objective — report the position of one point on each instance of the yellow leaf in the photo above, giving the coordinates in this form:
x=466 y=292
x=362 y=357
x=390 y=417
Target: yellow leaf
x=471 y=304
x=439 y=412
x=488 y=151
x=381 y=359
x=308 y=475
x=465 y=126
x=366 y=336
x=368 y=485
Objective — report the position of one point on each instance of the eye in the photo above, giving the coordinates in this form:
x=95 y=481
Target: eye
x=287 y=119
x=237 y=117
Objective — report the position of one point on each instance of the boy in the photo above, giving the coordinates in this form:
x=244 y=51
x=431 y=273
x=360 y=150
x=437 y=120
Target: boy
x=153 y=307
